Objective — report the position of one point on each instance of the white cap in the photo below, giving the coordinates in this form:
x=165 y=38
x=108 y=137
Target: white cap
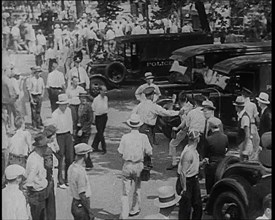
x=13 y=171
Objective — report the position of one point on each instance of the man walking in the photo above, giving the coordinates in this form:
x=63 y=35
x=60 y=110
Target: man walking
x=133 y=147
x=244 y=139
x=79 y=184
x=55 y=85
x=36 y=183
x=100 y=108
x=188 y=171
x=36 y=90
x=62 y=118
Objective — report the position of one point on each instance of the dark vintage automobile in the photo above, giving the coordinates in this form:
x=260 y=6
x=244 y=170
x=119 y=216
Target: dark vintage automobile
x=239 y=71
x=239 y=189
x=136 y=54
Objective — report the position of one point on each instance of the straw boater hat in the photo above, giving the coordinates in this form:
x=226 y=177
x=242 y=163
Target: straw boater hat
x=265 y=156
x=134 y=121
x=208 y=104
x=166 y=197
x=62 y=99
x=82 y=148
x=40 y=140
x=263 y=98
x=13 y=171
x=148 y=75
x=239 y=101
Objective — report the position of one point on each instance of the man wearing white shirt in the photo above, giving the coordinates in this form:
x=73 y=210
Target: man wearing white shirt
x=36 y=89
x=80 y=73
x=100 y=108
x=55 y=85
x=62 y=118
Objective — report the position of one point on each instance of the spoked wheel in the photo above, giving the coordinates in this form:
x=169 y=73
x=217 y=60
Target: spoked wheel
x=229 y=207
x=115 y=72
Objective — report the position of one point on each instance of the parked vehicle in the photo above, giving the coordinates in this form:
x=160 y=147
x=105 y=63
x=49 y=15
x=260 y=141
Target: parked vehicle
x=240 y=191
x=136 y=54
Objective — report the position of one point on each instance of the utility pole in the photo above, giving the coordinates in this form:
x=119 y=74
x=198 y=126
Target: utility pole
x=147 y=15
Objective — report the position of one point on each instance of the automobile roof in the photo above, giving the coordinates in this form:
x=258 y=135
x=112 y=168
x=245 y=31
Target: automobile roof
x=185 y=52
x=226 y=66
x=154 y=37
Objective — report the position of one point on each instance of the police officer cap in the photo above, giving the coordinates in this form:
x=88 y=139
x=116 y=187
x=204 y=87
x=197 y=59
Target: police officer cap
x=148 y=91
x=13 y=171
x=246 y=91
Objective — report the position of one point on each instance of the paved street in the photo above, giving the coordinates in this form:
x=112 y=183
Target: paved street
x=105 y=179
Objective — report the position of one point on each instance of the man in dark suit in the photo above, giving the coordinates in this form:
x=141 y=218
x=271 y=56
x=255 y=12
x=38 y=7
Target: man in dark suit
x=265 y=114
x=215 y=148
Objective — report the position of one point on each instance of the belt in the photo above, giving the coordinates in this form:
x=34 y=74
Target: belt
x=35 y=94
x=195 y=176
x=63 y=133
x=55 y=87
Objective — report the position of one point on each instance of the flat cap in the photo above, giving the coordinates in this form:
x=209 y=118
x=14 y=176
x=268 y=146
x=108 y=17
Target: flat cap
x=13 y=171
x=82 y=148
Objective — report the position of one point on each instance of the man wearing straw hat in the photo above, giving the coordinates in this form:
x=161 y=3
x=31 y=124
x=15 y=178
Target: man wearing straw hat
x=149 y=83
x=133 y=146
x=62 y=118
x=166 y=201
x=14 y=205
x=79 y=184
x=36 y=178
x=265 y=115
x=244 y=138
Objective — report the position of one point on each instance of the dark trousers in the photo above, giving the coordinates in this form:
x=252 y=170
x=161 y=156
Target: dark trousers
x=50 y=202
x=84 y=139
x=39 y=60
x=53 y=97
x=37 y=201
x=149 y=131
x=78 y=210
x=210 y=170
x=100 y=123
x=66 y=146
x=36 y=110
x=191 y=199
x=74 y=110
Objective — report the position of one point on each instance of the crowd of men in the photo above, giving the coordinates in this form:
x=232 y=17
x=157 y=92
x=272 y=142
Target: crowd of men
x=65 y=136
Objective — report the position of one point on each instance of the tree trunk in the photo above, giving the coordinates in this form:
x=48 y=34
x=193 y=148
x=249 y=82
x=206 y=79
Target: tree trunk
x=79 y=8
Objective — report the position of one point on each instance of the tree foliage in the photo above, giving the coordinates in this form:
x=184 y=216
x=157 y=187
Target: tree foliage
x=108 y=8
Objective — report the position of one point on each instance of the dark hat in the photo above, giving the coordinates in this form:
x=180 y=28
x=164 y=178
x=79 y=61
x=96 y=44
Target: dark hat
x=149 y=90
x=40 y=140
x=49 y=130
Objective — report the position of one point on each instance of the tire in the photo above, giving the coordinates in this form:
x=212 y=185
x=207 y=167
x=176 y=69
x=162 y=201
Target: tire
x=95 y=83
x=223 y=165
x=228 y=206
x=115 y=72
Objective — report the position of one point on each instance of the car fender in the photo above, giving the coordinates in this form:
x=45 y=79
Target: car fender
x=228 y=184
x=104 y=78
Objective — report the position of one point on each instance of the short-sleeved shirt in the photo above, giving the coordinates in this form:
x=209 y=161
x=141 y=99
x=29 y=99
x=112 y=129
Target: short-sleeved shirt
x=133 y=146
x=14 y=205
x=148 y=112
x=245 y=119
x=55 y=79
x=36 y=86
x=78 y=181
x=100 y=105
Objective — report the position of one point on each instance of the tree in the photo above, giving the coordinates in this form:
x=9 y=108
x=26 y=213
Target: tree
x=108 y=9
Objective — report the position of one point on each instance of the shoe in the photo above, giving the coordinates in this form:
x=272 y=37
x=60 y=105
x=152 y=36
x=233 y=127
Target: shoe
x=96 y=150
x=88 y=168
x=172 y=167
x=62 y=186
x=134 y=214
x=104 y=152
